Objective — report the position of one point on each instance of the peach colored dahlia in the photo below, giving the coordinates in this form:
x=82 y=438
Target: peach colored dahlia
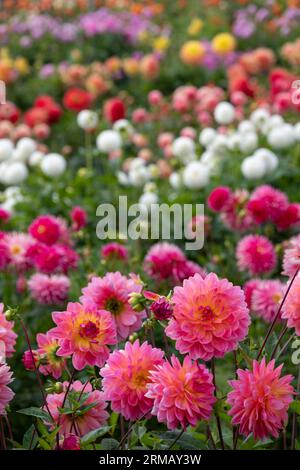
x=125 y=378
x=260 y=399
x=210 y=317
x=182 y=394
x=85 y=333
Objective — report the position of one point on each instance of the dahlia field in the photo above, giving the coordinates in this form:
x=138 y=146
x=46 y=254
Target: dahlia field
x=150 y=225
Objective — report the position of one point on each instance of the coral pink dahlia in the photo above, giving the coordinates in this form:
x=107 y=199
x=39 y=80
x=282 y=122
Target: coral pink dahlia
x=80 y=422
x=111 y=293
x=6 y=394
x=291 y=306
x=260 y=399
x=85 y=333
x=182 y=394
x=7 y=335
x=49 y=290
x=256 y=254
x=210 y=317
x=125 y=378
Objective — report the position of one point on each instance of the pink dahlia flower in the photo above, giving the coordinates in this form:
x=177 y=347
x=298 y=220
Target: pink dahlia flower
x=234 y=215
x=4 y=255
x=165 y=261
x=6 y=394
x=79 y=218
x=93 y=418
x=291 y=257
x=114 y=250
x=49 y=229
x=266 y=298
x=267 y=204
x=291 y=306
x=71 y=442
x=125 y=378
x=7 y=336
x=248 y=289
x=53 y=259
x=50 y=362
x=18 y=245
x=210 y=317
x=260 y=399
x=219 y=198
x=111 y=293
x=49 y=290
x=256 y=254
x=85 y=333
x=182 y=394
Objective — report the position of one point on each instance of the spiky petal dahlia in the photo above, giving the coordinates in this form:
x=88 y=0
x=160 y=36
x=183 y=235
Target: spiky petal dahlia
x=85 y=333
x=125 y=378
x=6 y=394
x=182 y=394
x=291 y=306
x=210 y=317
x=111 y=293
x=256 y=254
x=7 y=335
x=80 y=422
x=260 y=399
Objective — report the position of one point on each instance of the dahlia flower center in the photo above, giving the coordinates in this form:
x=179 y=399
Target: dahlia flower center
x=206 y=313
x=113 y=305
x=277 y=297
x=140 y=380
x=88 y=330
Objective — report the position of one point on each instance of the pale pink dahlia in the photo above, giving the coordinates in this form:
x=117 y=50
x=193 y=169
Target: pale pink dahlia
x=166 y=261
x=291 y=306
x=260 y=399
x=266 y=298
x=125 y=378
x=85 y=333
x=7 y=336
x=256 y=254
x=49 y=290
x=50 y=362
x=80 y=422
x=291 y=257
x=210 y=317
x=182 y=394
x=111 y=293
x=6 y=394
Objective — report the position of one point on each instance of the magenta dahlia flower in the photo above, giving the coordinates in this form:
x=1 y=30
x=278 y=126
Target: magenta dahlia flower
x=125 y=378
x=266 y=298
x=256 y=254
x=49 y=290
x=210 y=317
x=267 y=204
x=219 y=198
x=49 y=229
x=182 y=394
x=7 y=336
x=6 y=394
x=291 y=306
x=260 y=399
x=94 y=417
x=114 y=250
x=85 y=333
x=111 y=293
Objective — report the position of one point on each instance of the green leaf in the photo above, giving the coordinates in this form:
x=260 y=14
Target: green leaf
x=37 y=412
x=295 y=406
x=109 y=444
x=94 y=435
